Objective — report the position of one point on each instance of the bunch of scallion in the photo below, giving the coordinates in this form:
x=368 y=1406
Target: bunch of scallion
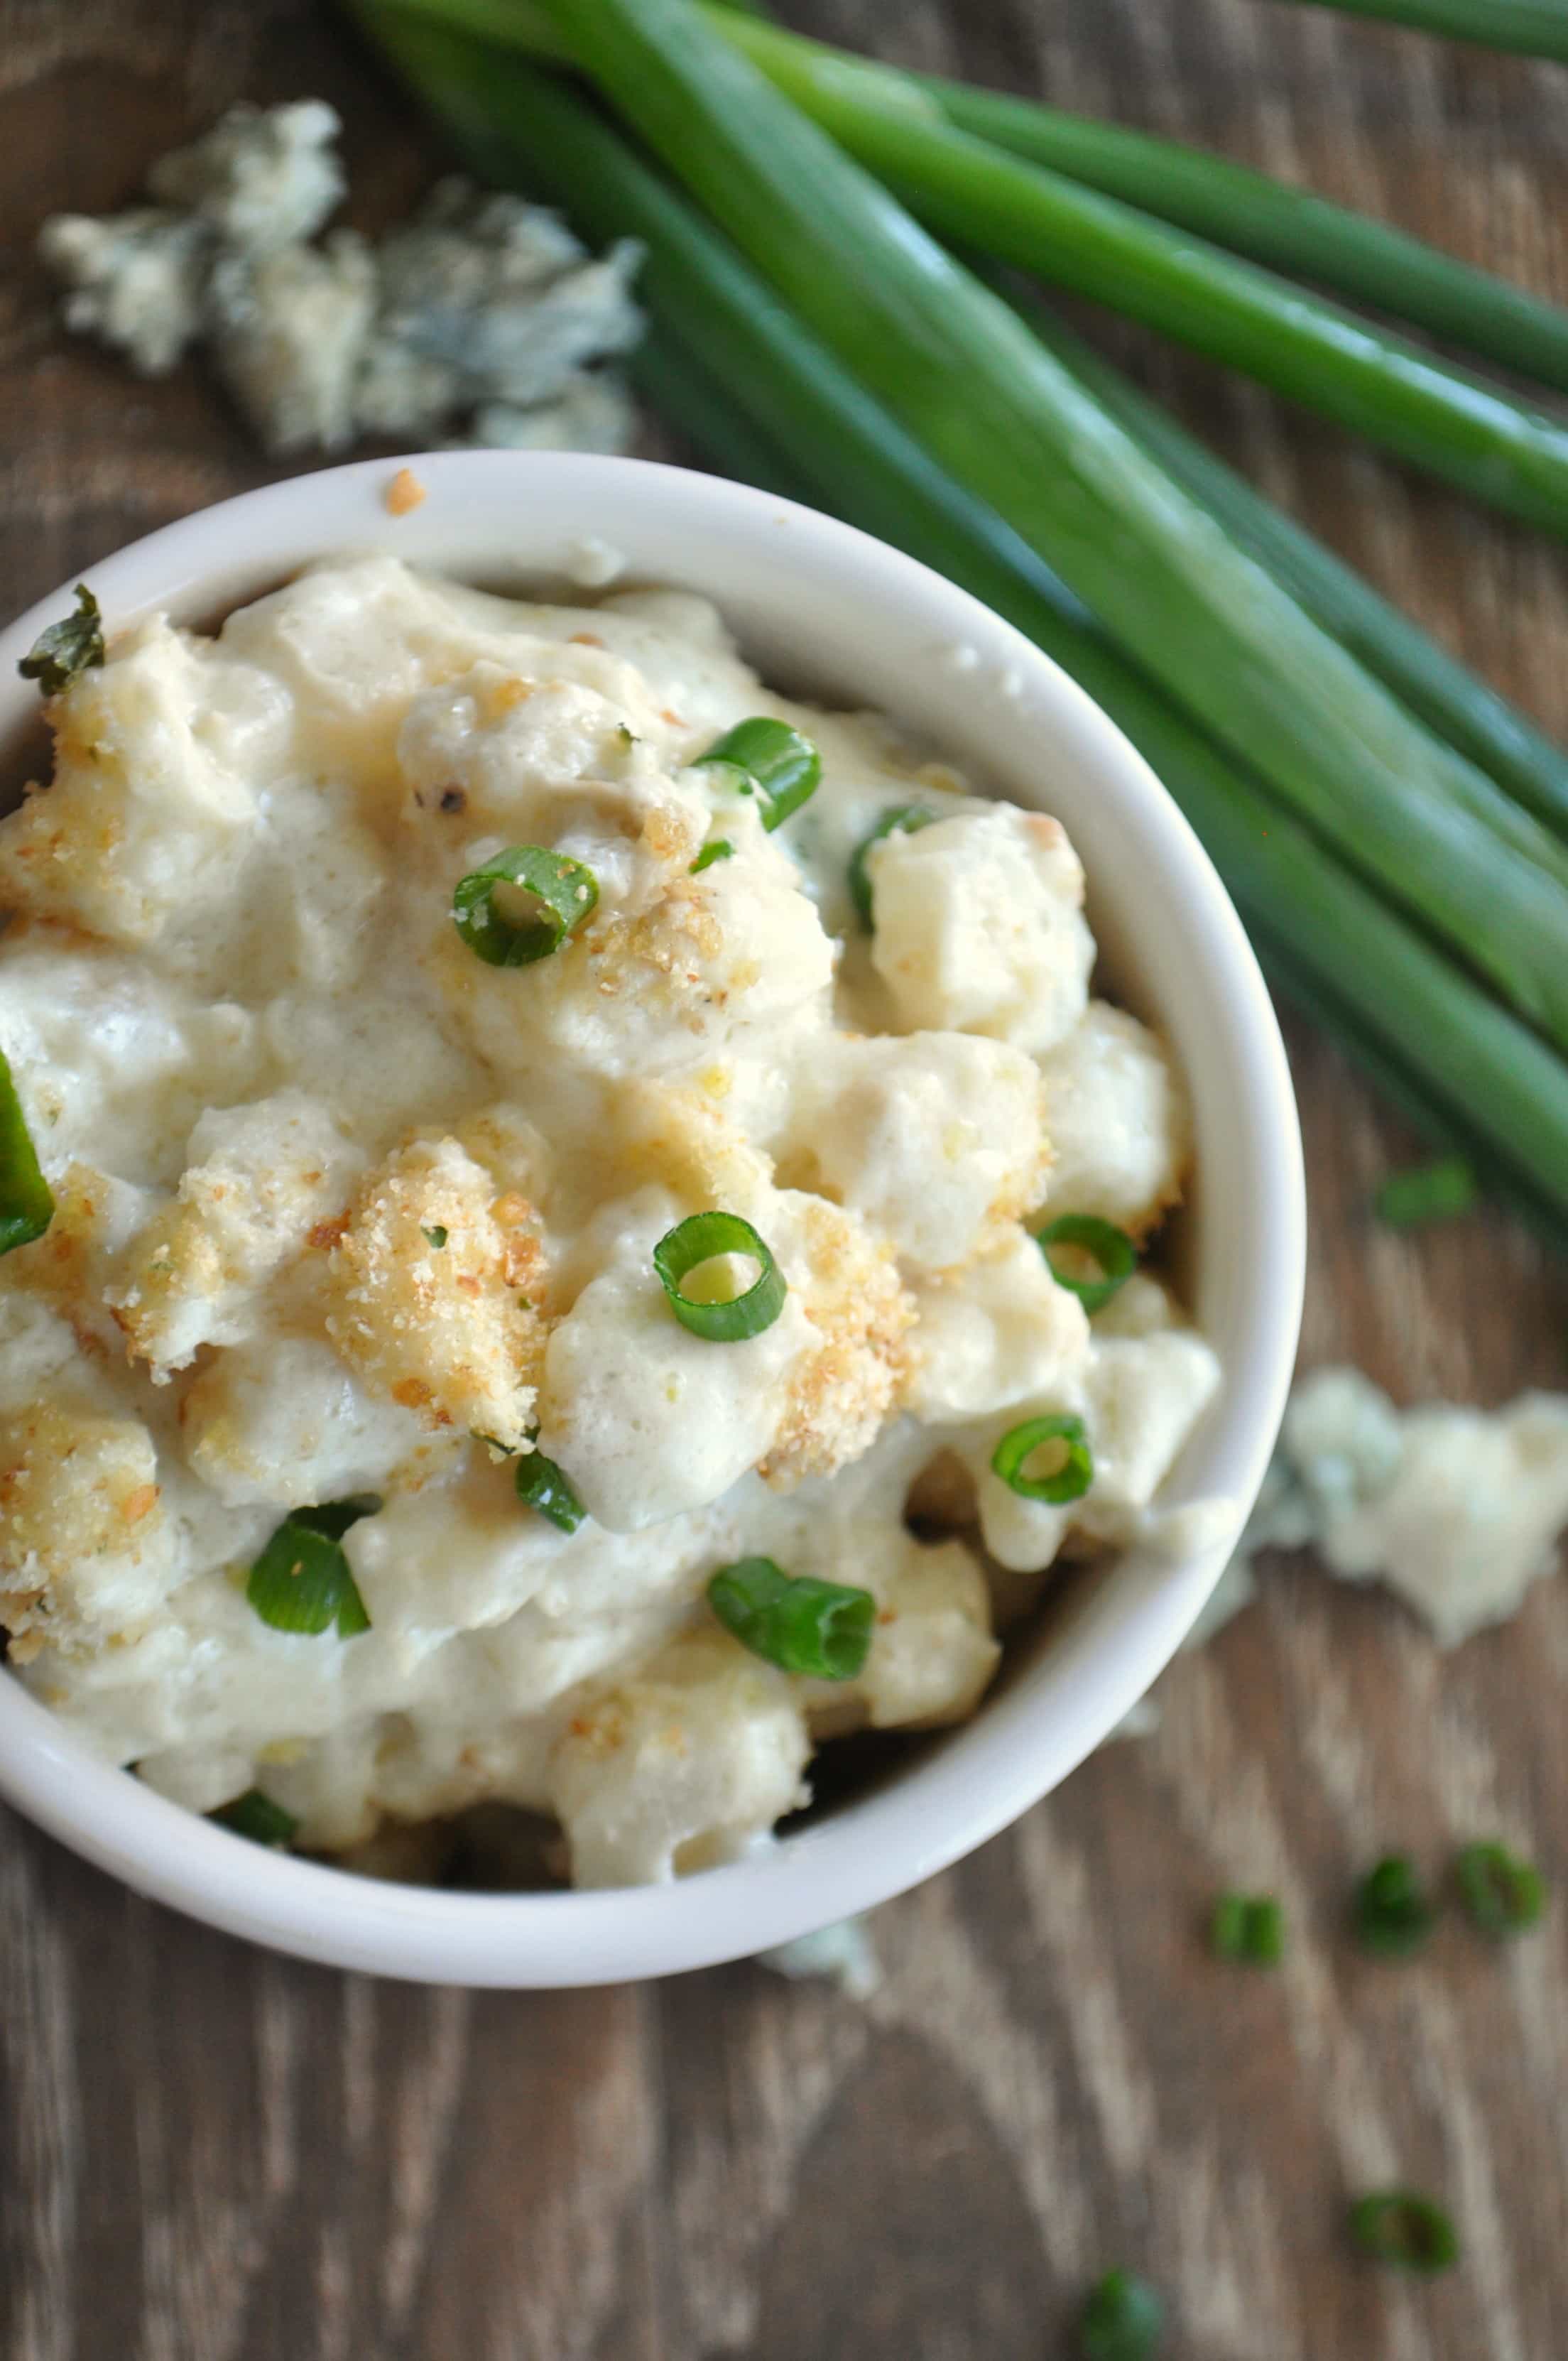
x=1396 y=835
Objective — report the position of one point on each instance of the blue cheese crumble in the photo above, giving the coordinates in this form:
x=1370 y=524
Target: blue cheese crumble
x=481 y=322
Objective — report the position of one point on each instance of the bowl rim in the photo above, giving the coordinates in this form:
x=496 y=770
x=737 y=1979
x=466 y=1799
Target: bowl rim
x=997 y=1765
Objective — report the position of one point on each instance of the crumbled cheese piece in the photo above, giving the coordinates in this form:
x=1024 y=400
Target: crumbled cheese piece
x=1457 y=1511
x=483 y=311
x=137 y=280
x=843 y=1955
x=262 y=178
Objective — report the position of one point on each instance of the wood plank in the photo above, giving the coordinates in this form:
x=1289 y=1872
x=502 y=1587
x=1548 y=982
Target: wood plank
x=207 y=2151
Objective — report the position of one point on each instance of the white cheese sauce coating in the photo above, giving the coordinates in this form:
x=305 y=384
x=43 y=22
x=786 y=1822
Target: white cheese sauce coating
x=341 y=1210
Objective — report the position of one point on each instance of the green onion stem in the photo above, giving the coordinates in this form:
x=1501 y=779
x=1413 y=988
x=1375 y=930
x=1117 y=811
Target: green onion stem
x=1433 y=684
x=697 y=1240
x=1413 y=1016
x=565 y=892
x=820 y=1629
x=1027 y=437
x=1537 y=28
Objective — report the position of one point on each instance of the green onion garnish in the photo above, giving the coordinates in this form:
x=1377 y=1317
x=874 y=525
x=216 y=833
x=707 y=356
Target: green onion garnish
x=697 y=1240
x=768 y=759
x=1397 y=2226
x=1068 y=1481
x=68 y=647
x=1392 y=1913
x=301 y=1581
x=792 y=1620
x=1112 y=1252
x=1503 y=1893
x=436 y=1235
x=1120 y=2320
x=26 y=1207
x=720 y=850
x=1249 y=1927
x=544 y=1486
x=1427 y=1192
x=256 y=1815
x=905 y=819
x=565 y=892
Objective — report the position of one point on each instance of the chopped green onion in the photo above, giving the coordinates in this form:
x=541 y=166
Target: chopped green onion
x=1392 y=1913
x=1121 y=2320
x=1427 y=1192
x=257 y=1816
x=1503 y=1893
x=770 y=760
x=1395 y=2225
x=565 y=891
x=436 y=1235
x=66 y=648
x=792 y=1620
x=1250 y=1927
x=546 y=1487
x=301 y=1581
x=1111 y=1250
x=697 y=1240
x=905 y=819
x=26 y=1206
x=1069 y=1481
x=720 y=850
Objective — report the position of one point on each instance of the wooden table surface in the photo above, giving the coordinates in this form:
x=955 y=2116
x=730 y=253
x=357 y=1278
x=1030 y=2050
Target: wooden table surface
x=209 y=2154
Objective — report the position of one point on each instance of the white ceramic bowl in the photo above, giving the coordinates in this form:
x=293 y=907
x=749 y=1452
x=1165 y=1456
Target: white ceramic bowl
x=825 y=610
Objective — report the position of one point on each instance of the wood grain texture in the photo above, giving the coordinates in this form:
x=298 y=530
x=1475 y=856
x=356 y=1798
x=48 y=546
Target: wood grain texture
x=212 y=2155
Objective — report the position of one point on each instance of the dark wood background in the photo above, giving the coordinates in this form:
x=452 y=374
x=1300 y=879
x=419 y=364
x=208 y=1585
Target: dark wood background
x=214 y=2154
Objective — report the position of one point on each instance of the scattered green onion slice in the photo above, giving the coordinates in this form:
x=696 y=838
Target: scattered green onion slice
x=436 y=1235
x=1427 y=1192
x=1120 y=2320
x=1393 y=1912
x=565 y=891
x=1249 y=1927
x=1503 y=1893
x=905 y=819
x=66 y=648
x=1068 y=1482
x=546 y=1487
x=26 y=1207
x=1397 y=2225
x=772 y=761
x=256 y=1815
x=793 y=1620
x=1113 y=1250
x=301 y=1580
x=720 y=850
x=697 y=1240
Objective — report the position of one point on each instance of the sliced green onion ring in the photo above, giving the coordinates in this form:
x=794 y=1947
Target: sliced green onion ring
x=1111 y=1248
x=822 y=1629
x=545 y=1487
x=1249 y=1927
x=1400 y=2226
x=1502 y=1894
x=770 y=760
x=1070 y=1481
x=301 y=1581
x=720 y=849
x=905 y=819
x=1394 y=1914
x=697 y=1240
x=256 y=1818
x=565 y=891
x=1122 y=2320
x=26 y=1207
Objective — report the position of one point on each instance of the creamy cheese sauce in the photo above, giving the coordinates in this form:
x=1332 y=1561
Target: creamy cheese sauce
x=341 y=1210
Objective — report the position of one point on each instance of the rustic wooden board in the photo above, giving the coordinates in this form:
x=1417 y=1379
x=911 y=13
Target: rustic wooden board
x=212 y=2155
